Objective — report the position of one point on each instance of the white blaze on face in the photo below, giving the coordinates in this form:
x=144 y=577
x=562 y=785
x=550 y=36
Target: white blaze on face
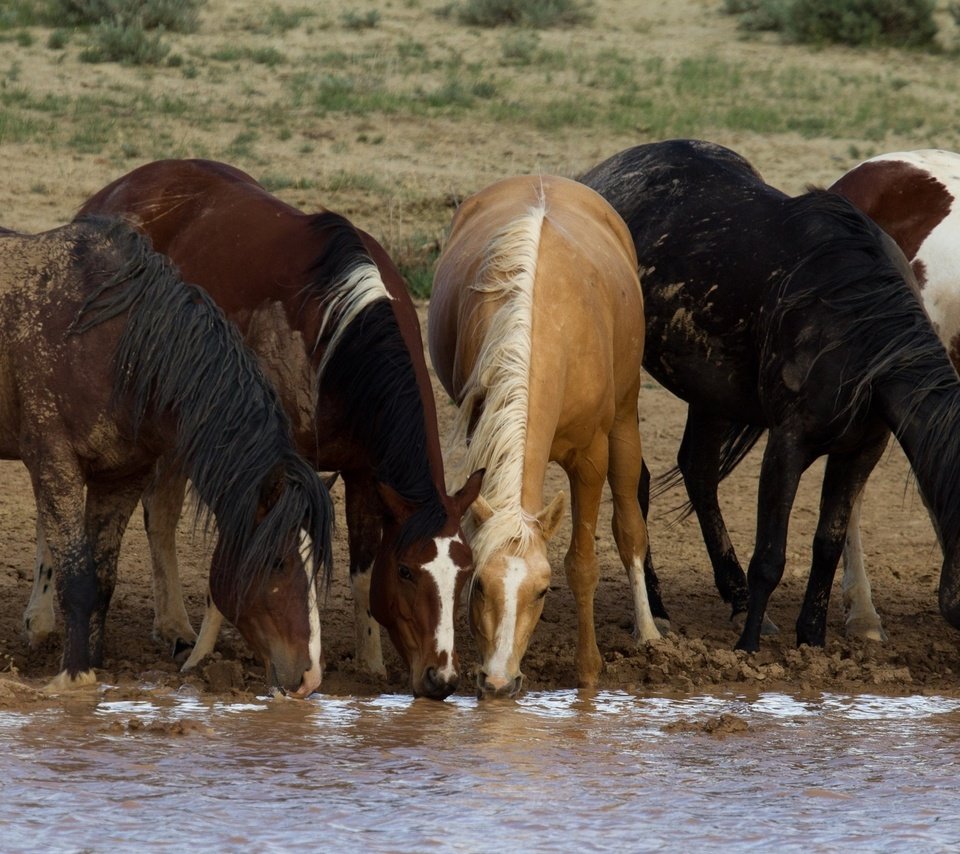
x=443 y=570
x=313 y=607
x=514 y=574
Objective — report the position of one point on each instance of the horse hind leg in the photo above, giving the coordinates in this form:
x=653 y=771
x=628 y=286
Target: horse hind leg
x=39 y=619
x=657 y=608
x=162 y=506
x=862 y=619
x=629 y=527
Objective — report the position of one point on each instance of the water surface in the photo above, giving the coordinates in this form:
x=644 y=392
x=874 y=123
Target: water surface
x=555 y=771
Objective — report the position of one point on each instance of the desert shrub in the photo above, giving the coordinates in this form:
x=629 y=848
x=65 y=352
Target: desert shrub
x=127 y=43
x=899 y=23
x=179 y=16
x=531 y=13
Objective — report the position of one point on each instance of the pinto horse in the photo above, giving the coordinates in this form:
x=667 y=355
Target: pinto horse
x=536 y=330
x=913 y=196
x=316 y=296
x=109 y=361
x=797 y=316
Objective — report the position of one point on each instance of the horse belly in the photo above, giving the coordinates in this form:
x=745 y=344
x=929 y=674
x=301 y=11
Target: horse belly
x=938 y=259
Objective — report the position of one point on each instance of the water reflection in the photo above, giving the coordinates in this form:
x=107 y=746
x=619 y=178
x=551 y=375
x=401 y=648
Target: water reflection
x=554 y=771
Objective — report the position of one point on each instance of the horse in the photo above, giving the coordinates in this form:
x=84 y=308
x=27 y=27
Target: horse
x=535 y=329
x=109 y=361
x=792 y=315
x=333 y=324
x=912 y=196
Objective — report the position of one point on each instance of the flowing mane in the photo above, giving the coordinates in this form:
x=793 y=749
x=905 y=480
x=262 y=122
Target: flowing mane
x=886 y=337
x=178 y=353
x=492 y=416
x=366 y=362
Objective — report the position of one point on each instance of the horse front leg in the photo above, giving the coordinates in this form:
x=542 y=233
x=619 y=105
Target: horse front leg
x=699 y=463
x=162 y=506
x=108 y=510
x=843 y=483
x=364 y=530
x=783 y=463
x=629 y=525
x=586 y=474
x=862 y=620
x=39 y=619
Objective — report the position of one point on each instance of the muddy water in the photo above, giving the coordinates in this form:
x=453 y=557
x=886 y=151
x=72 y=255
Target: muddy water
x=554 y=771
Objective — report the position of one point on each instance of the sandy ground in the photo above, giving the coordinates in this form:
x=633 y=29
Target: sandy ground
x=450 y=160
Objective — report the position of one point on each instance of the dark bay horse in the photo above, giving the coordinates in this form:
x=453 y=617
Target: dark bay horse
x=797 y=316
x=107 y=362
x=536 y=330
x=330 y=289
x=914 y=196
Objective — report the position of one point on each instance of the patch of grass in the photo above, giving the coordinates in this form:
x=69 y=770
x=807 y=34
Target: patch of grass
x=126 y=43
x=58 y=39
x=416 y=259
x=539 y=14
x=281 y=20
x=178 y=16
x=20 y=13
x=356 y=21
x=276 y=183
x=342 y=180
x=268 y=56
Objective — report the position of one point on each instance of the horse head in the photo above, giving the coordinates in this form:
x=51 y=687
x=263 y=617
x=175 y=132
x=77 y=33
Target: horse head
x=416 y=587
x=273 y=599
x=507 y=596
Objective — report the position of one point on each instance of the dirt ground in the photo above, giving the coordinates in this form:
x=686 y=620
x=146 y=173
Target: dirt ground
x=903 y=558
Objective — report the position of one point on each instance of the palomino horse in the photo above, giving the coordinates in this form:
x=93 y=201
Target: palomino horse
x=328 y=297
x=107 y=362
x=797 y=316
x=913 y=196
x=536 y=330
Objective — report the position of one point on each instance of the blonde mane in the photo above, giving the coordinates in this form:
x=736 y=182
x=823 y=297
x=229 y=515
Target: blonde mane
x=498 y=386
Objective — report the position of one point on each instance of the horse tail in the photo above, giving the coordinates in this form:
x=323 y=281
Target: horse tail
x=179 y=354
x=736 y=444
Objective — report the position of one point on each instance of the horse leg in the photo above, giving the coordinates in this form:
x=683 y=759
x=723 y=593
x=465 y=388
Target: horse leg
x=207 y=639
x=109 y=508
x=38 y=617
x=862 y=621
x=58 y=488
x=629 y=527
x=162 y=505
x=843 y=483
x=657 y=608
x=783 y=463
x=586 y=474
x=699 y=463
x=364 y=528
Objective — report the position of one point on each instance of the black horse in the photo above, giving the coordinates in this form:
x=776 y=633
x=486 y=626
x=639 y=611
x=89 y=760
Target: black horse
x=793 y=315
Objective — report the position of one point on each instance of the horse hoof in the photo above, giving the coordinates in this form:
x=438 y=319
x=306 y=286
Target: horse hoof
x=63 y=681
x=868 y=630
x=663 y=625
x=181 y=650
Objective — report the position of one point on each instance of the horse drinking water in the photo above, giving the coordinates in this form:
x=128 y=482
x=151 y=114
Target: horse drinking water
x=536 y=330
x=109 y=361
x=797 y=316
x=330 y=298
x=914 y=196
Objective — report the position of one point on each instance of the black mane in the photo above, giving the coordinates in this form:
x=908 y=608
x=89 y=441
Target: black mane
x=179 y=354
x=371 y=372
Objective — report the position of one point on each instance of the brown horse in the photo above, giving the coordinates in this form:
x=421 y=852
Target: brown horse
x=536 y=330
x=107 y=362
x=315 y=296
x=914 y=196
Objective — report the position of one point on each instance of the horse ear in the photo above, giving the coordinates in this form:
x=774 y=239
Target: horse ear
x=468 y=493
x=549 y=518
x=482 y=510
x=397 y=506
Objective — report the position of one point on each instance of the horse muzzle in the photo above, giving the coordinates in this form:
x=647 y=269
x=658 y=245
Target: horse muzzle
x=436 y=686
x=489 y=688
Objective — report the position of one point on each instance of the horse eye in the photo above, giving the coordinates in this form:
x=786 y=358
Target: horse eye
x=543 y=593
x=405 y=572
